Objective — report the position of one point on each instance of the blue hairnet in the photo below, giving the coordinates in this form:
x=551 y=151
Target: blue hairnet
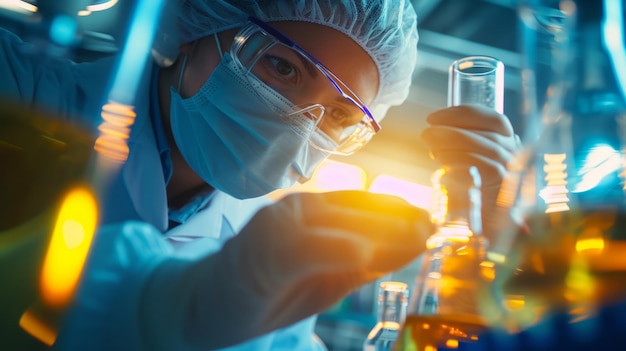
x=385 y=29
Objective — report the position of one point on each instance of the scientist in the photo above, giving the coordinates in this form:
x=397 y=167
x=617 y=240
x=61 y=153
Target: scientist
x=258 y=95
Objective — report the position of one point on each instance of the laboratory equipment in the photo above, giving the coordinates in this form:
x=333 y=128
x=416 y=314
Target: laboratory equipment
x=472 y=80
x=476 y=80
x=54 y=179
x=43 y=158
x=392 y=306
x=566 y=187
x=444 y=311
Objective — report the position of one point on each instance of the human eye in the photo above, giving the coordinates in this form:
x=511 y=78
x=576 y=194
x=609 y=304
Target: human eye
x=337 y=119
x=343 y=115
x=339 y=115
x=282 y=69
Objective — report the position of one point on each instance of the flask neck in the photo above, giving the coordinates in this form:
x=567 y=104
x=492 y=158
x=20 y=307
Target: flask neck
x=392 y=312
x=392 y=302
x=460 y=194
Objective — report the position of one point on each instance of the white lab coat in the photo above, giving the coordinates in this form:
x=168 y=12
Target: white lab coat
x=131 y=242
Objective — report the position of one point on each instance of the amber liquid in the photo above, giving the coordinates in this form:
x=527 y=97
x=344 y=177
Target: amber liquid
x=41 y=157
x=437 y=332
x=572 y=263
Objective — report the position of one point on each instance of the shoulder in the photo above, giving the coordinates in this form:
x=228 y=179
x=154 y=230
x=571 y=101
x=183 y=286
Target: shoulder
x=33 y=77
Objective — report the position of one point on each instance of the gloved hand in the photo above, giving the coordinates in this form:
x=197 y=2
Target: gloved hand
x=462 y=136
x=295 y=258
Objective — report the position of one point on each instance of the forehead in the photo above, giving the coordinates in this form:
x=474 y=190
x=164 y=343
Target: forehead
x=342 y=55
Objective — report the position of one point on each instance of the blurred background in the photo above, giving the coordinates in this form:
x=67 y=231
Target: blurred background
x=395 y=161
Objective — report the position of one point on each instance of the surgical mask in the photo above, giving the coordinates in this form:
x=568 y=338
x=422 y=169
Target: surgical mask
x=241 y=136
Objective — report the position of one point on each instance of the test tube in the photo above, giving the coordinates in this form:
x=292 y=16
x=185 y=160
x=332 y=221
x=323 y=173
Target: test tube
x=476 y=80
x=472 y=80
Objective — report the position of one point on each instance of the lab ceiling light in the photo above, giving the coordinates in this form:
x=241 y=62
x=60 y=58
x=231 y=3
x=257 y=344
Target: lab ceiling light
x=23 y=6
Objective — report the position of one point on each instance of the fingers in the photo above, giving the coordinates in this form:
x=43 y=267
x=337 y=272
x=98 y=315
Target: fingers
x=491 y=172
x=350 y=228
x=381 y=218
x=443 y=139
x=393 y=230
x=473 y=118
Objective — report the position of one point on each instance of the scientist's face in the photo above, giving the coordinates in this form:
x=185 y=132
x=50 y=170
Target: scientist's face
x=248 y=157
x=339 y=53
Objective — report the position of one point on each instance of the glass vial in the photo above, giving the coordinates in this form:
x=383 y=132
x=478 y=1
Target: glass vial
x=444 y=311
x=392 y=306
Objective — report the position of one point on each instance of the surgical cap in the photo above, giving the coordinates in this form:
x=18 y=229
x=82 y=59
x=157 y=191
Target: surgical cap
x=385 y=29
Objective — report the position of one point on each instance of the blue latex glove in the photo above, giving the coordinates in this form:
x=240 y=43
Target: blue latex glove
x=463 y=136
x=295 y=258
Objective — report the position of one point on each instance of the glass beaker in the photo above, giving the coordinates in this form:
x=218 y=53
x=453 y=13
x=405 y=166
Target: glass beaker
x=391 y=313
x=566 y=187
x=476 y=80
x=444 y=310
x=472 y=80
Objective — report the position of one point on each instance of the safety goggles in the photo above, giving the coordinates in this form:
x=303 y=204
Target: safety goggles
x=343 y=124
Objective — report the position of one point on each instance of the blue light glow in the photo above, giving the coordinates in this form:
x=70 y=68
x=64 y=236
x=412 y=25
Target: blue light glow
x=601 y=161
x=613 y=37
x=63 y=30
x=136 y=51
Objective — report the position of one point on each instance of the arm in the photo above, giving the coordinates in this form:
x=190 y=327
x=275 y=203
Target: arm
x=58 y=85
x=294 y=259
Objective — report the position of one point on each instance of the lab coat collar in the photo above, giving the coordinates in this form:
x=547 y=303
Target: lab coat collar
x=221 y=220
x=143 y=171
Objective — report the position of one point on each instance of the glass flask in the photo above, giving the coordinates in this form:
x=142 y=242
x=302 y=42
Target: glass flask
x=43 y=157
x=444 y=312
x=565 y=189
x=392 y=305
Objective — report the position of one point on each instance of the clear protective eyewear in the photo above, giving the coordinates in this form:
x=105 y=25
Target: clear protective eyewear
x=343 y=125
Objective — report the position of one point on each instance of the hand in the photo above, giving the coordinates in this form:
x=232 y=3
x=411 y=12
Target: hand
x=295 y=258
x=462 y=136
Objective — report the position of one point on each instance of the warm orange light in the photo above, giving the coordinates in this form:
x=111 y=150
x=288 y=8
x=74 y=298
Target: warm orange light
x=455 y=233
x=71 y=238
x=452 y=343
x=374 y=331
x=515 y=302
x=588 y=244
x=117 y=119
x=487 y=270
x=37 y=328
x=416 y=194
x=329 y=176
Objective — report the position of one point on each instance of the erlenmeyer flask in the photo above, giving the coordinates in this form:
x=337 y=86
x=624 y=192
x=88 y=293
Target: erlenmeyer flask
x=566 y=188
x=444 y=311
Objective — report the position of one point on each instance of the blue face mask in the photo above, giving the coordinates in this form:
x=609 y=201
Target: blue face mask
x=241 y=136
